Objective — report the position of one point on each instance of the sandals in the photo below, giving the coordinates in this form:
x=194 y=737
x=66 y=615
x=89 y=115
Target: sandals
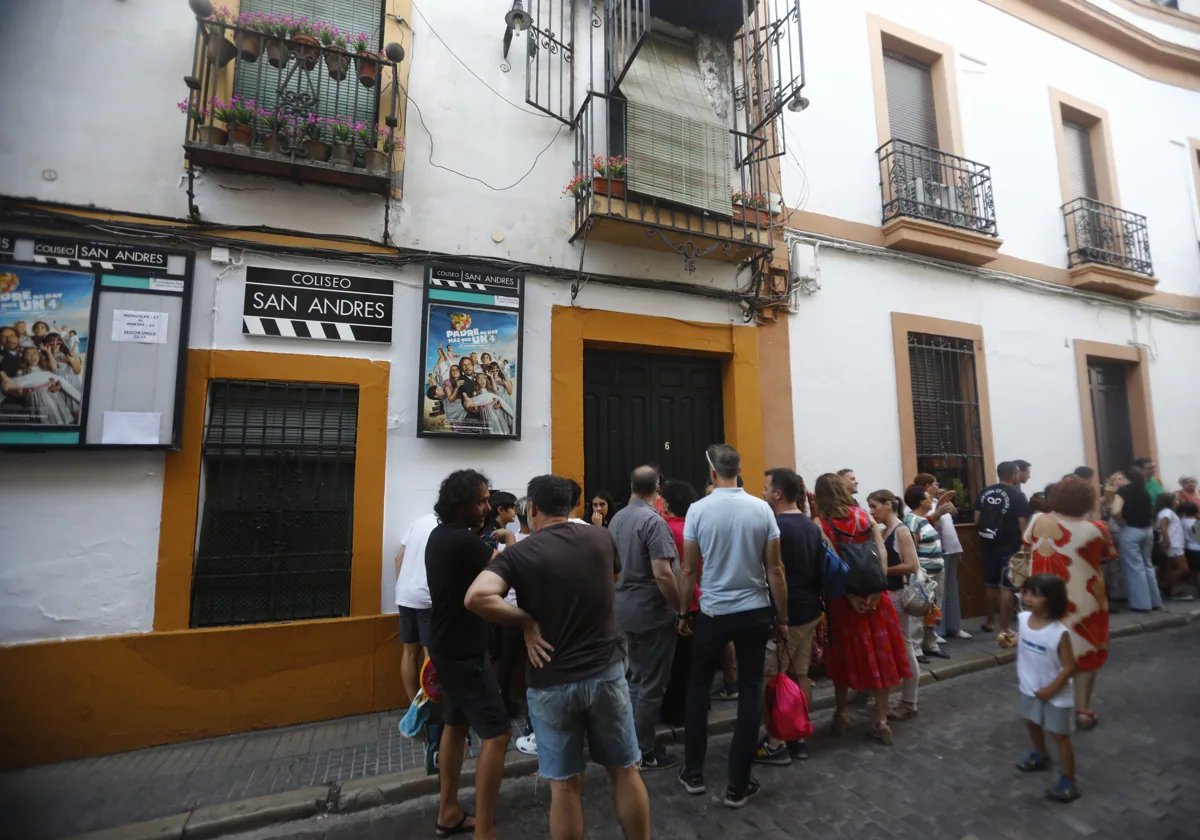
x=1086 y=720
x=1034 y=761
x=901 y=711
x=839 y=724
x=988 y=628
x=460 y=828
x=882 y=734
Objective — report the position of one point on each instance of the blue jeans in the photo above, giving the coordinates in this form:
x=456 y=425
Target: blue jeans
x=1141 y=585
x=598 y=709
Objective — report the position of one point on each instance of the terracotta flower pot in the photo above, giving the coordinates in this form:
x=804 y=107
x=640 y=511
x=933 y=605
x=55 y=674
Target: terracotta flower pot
x=338 y=65
x=309 y=49
x=251 y=46
x=752 y=216
x=219 y=49
x=275 y=144
x=368 y=69
x=241 y=135
x=375 y=160
x=343 y=153
x=212 y=135
x=277 y=52
x=316 y=150
x=611 y=187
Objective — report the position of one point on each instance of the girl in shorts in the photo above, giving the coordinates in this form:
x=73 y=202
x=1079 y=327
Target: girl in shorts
x=1045 y=664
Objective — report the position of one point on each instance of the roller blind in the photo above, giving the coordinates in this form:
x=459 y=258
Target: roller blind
x=1081 y=173
x=911 y=110
x=678 y=149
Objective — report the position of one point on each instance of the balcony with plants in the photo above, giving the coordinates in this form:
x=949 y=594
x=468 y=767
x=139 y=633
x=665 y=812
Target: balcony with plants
x=1108 y=249
x=285 y=96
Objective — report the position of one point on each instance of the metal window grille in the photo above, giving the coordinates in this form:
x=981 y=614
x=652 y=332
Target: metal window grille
x=945 y=397
x=277 y=503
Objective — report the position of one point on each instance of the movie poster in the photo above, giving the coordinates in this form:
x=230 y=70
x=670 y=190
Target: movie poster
x=45 y=317
x=471 y=359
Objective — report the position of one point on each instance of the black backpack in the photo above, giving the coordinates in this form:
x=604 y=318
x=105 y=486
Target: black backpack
x=864 y=575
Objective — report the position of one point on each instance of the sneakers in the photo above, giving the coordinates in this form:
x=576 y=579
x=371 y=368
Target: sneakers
x=735 y=800
x=1033 y=761
x=728 y=692
x=1064 y=791
x=798 y=750
x=693 y=783
x=658 y=759
x=766 y=754
x=527 y=744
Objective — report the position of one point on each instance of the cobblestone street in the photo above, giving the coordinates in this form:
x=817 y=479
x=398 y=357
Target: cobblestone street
x=950 y=774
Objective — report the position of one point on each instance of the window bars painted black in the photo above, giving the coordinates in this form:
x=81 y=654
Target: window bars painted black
x=292 y=108
x=549 y=71
x=1101 y=233
x=277 y=503
x=946 y=422
x=920 y=182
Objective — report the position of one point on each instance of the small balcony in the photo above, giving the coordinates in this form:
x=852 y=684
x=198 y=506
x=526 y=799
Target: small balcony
x=269 y=98
x=937 y=204
x=673 y=189
x=1108 y=249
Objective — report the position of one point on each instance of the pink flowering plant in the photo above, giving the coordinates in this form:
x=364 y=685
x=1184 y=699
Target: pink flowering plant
x=275 y=25
x=237 y=111
x=274 y=121
x=368 y=135
x=301 y=26
x=254 y=21
x=392 y=140
x=362 y=43
x=344 y=129
x=313 y=126
x=220 y=18
x=749 y=199
x=577 y=187
x=610 y=167
x=197 y=113
x=330 y=36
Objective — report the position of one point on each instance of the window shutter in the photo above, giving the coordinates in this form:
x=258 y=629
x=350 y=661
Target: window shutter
x=347 y=99
x=256 y=418
x=678 y=149
x=1081 y=174
x=911 y=110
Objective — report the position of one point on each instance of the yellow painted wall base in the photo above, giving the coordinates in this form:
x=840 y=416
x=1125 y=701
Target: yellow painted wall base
x=87 y=697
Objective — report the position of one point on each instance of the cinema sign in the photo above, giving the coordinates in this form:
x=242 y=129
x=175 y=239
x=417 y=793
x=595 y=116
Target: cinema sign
x=312 y=304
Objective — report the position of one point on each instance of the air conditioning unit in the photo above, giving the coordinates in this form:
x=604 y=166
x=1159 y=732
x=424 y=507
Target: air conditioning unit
x=936 y=202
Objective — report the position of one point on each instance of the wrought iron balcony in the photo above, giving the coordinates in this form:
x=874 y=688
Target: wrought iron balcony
x=919 y=182
x=1099 y=233
x=272 y=105
x=699 y=218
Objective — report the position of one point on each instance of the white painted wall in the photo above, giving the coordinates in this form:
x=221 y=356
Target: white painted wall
x=1153 y=23
x=1029 y=345
x=1005 y=70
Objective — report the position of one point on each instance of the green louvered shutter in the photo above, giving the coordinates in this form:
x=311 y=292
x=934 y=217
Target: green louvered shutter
x=347 y=98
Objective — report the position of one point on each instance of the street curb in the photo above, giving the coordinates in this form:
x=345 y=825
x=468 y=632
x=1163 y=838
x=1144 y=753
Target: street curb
x=391 y=788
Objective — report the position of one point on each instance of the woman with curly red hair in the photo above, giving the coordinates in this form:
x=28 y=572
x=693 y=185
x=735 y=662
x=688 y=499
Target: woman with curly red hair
x=1070 y=545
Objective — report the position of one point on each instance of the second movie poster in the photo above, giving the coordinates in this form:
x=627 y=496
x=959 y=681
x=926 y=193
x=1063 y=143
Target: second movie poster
x=471 y=354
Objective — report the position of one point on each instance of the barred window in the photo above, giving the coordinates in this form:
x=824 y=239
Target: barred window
x=277 y=503
x=945 y=399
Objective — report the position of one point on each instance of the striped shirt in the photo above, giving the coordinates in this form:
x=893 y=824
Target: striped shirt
x=929 y=543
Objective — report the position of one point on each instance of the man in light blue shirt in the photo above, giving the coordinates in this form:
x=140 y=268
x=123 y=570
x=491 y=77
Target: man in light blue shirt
x=738 y=537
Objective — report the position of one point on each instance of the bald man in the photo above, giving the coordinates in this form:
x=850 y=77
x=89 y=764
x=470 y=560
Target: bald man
x=647 y=598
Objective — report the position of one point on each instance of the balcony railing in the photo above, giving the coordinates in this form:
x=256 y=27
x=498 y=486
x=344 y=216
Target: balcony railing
x=920 y=182
x=271 y=106
x=1101 y=233
x=693 y=228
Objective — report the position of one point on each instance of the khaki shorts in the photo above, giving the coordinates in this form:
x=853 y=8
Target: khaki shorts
x=798 y=653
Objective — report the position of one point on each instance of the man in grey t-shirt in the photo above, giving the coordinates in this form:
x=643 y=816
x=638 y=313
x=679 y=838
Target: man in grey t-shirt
x=647 y=595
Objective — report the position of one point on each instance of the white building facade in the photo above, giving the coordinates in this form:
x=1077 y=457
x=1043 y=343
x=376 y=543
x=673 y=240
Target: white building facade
x=860 y=319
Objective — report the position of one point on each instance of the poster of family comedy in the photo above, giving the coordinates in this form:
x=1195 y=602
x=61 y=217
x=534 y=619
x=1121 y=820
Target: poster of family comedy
x=44 y=318
x=470 y=376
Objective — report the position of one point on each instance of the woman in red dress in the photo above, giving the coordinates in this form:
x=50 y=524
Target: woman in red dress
x=1070 y=545
x=867 y=651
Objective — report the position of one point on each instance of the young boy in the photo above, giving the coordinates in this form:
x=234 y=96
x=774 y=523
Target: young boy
x=1045 y=664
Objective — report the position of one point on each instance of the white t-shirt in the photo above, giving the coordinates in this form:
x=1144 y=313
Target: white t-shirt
x=1174 y=548
x=1038 y=662
x=511 y=595
x=1189 y=543
x=412 y=589
x=950 y=542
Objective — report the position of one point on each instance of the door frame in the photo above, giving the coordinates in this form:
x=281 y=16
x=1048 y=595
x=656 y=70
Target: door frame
x=1137 y=389
x=573 y=328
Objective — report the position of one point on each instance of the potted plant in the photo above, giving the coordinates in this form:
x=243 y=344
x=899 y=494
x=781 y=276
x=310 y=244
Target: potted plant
x=199 y=115
x=275 y=125
x=342 y=130
x=368 y=60
x=249 y=35
x=219 y=49
x=276 y=28
x=392 y=141
x=304 y=34
x=608 y=176
x=238 y=115
x=315 y=148
x=337 y=60
x=373 y=159
x=577 y=187
x=751 y=208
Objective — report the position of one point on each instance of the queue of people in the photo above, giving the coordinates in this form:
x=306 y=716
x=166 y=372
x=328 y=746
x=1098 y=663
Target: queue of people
x=625 y=620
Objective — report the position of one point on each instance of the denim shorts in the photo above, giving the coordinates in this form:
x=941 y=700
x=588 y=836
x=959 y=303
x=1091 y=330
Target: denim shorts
x=597 y=709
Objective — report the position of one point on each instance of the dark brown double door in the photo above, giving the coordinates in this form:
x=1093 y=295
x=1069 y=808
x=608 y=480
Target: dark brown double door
x=1110 y=414
x=641 y=408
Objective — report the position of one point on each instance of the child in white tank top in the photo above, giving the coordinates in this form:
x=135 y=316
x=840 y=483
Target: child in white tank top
x=1045 y=664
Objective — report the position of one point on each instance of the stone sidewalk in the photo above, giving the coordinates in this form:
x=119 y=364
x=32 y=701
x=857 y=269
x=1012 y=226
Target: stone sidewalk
x=238 y=781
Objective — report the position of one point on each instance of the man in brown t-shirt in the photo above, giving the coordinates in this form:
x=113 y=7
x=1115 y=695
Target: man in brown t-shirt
x=564 y=576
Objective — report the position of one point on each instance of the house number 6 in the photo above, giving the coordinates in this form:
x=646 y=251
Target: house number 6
x=667 y=445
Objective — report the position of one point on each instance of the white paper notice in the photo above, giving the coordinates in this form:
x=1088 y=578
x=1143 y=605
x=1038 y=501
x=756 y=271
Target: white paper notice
x=140 y=327
x=131 y=427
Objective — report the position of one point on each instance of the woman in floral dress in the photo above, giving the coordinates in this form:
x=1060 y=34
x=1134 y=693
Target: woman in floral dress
x=1069 y=545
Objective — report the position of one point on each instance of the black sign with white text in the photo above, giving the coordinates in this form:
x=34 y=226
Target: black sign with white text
x=59 y=252
x=313 y=304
